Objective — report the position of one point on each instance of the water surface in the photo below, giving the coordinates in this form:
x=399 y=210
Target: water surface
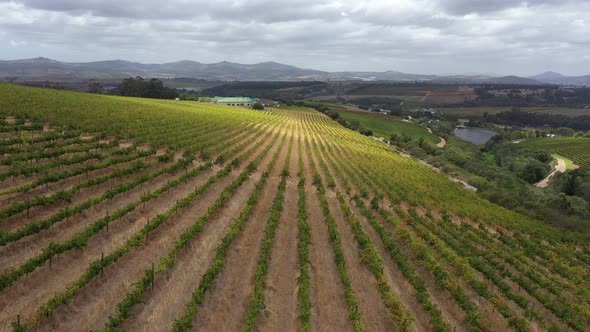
x=476 y=136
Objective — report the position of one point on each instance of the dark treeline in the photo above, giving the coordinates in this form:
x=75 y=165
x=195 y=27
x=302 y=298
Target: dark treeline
x=518 y=96
x=271 y=90
x=378 y=103
x=526 y=119
x=138 y=87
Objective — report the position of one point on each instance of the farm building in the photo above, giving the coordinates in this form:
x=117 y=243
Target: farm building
x=268 y=102
x=234 y=101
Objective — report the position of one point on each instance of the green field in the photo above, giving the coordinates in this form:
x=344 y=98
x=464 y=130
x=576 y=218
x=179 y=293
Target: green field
x=479 y=111
x=569 y=164
x=576 y=149
x=384 y=126
x=129 y=214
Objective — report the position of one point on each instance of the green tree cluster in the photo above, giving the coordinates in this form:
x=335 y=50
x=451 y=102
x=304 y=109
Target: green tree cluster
x=138 y=87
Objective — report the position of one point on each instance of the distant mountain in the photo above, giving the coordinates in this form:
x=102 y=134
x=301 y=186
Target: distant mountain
x=557 y=78
x=48 y=69
x=512 y=80
x=43 y=68
x=548 y=75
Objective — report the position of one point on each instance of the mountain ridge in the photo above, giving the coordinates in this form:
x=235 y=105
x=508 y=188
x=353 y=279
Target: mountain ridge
x=551 y=77
x=42 y=68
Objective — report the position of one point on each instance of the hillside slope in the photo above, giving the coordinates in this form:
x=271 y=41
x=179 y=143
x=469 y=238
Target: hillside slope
x=192 y=216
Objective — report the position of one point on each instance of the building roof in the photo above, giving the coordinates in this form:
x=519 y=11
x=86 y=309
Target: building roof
x=267 y=101
x=233 y=100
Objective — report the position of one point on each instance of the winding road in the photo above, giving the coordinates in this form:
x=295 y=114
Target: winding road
x=442 y=142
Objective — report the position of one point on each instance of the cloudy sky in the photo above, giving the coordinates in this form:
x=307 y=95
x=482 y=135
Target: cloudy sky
x=418 y=36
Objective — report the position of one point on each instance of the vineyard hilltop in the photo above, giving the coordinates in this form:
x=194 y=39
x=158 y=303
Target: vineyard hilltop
x=149 y=215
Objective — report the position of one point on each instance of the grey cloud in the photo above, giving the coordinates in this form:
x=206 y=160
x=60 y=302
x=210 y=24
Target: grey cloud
x=264 y=11
x=464 y=7
x=425 y=36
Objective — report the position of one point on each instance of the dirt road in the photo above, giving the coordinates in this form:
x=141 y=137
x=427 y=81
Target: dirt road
x=442 y=142
x=560 y=167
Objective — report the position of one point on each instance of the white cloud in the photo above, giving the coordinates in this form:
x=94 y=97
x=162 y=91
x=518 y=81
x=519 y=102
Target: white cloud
x=15 y=43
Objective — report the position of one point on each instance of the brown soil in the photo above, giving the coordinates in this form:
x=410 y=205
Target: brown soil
x=174 y=288
x=124 y=144
x=515 y=288
x=547 y=314
x=107 y=140
x=451 y=312
x=281 y=287
x=95 y=301
x=120 y=275
x=19 y=221
x=19 y=180
x=395 y=278
x=17 y=252
x=487 y=312
x=38 y=212
x=225 y=307
x=6 y=200
x=405 y=291
x=69 y=143
x=329 y=308
x=239 y=141
x=144 y=147
x=161 y=152
x=42 y=283
x=375 y=316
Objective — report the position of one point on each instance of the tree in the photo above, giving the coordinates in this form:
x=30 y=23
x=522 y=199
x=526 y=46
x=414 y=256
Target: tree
x=395 y=138
x=564 y=131
x=366 y=132
x=355 y=124
x=570 y=187
x=534 y=171
x=258 y=106
x=138 y=87
x=543 y=157
x=188 y=96
x=95 y=87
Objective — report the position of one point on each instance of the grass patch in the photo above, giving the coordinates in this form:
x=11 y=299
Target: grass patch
x=385 y=126
x=569 y=164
